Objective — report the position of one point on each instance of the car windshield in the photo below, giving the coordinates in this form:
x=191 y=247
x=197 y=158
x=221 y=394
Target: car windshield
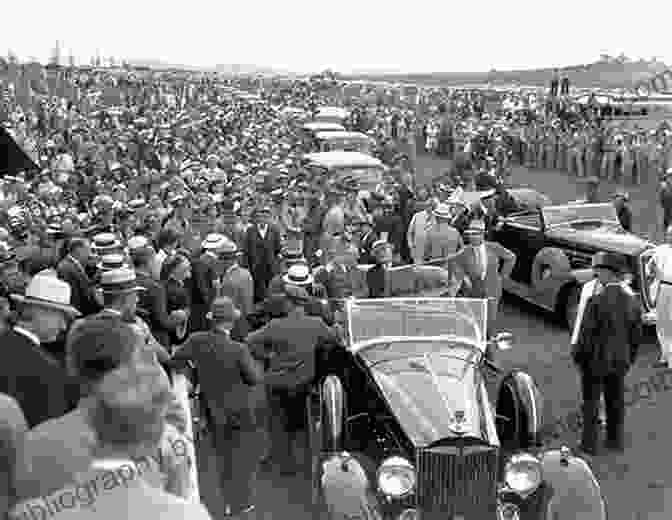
x=455 y=319
x=429 y=385
x=555 y=216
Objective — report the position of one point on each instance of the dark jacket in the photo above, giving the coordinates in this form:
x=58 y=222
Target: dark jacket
x=377 y=283
x=35 y=379
x=81 y=297
x=152 y=307
x=625 y=218
x=202 y=291
x=260 y=256
x=226 y=371
x=611 y=332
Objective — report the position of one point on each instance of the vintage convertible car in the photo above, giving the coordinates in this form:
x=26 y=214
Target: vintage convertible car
x=555 y=244
x=406 y=429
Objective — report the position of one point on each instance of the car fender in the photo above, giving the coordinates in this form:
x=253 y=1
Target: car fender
x=529 y=406
x=576 y=492
x=346 y=489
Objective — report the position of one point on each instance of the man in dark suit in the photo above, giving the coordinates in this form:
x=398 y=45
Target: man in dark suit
x=227 y=374
x=72 y=269
x=29 y=373
x=152 y=303
x=261 y=247
x=484 y=265
x=607 y=345
x=204 y=272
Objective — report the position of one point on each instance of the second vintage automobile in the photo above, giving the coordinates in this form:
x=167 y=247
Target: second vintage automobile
x=406 y=429
x=554 y=245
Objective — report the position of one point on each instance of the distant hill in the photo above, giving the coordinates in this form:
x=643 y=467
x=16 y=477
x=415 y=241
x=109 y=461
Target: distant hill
x=602 y=74
x=222 y=68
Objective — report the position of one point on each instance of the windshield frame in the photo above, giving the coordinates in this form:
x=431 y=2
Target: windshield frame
x=546 y=215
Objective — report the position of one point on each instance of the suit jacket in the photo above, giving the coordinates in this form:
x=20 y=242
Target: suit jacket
x=260 y=253
x=499 y=263
x=611 y=332
x=203 y=273
x=226 y=373
x=152 y=307
x=82 y=296
x=35 y=379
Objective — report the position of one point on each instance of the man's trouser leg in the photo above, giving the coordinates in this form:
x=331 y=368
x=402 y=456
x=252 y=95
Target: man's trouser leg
x=591 y=389
x=614 y=400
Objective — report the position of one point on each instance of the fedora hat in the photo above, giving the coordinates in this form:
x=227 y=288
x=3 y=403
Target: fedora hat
x=46 y=290
x=442 y=210
x=121 y=280
x=612 y=261
x=223 y=310
x=298 y=274
x=475 y=227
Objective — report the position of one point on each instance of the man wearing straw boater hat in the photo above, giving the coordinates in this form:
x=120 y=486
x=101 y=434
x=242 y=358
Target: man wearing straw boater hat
x=236 y=281
x=29 y=373
x=227 y=374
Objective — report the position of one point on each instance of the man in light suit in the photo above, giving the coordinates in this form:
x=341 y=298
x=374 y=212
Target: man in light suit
x=484 y=265
x=418 y=228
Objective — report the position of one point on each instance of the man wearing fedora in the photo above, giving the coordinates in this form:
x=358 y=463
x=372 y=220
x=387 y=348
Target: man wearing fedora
x=73 y=270
x=152 y=304
x=484 y=265
x=30 y=374
x=261 y=247
x=418 y=227
x=606 y=348
x=292 y=346
x=227 y=374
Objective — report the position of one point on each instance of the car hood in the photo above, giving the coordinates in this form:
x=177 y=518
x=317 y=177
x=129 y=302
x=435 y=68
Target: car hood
x=607 y=238
x=427 y=394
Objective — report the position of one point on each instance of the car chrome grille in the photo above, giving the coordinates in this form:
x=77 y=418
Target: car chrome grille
x=451 y=482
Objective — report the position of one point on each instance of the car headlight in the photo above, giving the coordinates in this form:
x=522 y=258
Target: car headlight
x=396 y=477
x=523 y=473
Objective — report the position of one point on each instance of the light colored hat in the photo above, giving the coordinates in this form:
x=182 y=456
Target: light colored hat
x=46 y=290
x=227 y=247
x=223 y=310
x=443 y=210
x=105 y=242
x=138 y=242
x=119 y=281
x=213 y=241
x=298 y=274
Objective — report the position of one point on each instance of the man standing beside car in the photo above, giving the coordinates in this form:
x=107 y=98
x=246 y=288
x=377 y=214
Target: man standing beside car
x=609 y=338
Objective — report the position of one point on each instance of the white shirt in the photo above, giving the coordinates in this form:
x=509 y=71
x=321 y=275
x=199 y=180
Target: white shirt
x=661 y=263
x=263 y=229
x=482 y=257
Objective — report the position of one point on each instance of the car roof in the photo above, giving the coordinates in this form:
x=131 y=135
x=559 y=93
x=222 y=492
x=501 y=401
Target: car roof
x=332 y=112
x=338 y=159
x=342 y=135
x=316 y=126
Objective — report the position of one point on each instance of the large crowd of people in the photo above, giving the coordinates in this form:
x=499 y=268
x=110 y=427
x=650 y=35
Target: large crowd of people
x=180 y=232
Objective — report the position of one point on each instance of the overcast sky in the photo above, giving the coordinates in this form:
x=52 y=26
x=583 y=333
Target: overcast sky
x=302 y=35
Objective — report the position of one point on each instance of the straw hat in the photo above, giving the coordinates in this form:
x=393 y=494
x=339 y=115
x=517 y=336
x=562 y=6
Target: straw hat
x=46 y=290
x=292 y=256
x=213 y=241
x=105 y=242
x=298 y=274
x=138 y=242
x=119 y=281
